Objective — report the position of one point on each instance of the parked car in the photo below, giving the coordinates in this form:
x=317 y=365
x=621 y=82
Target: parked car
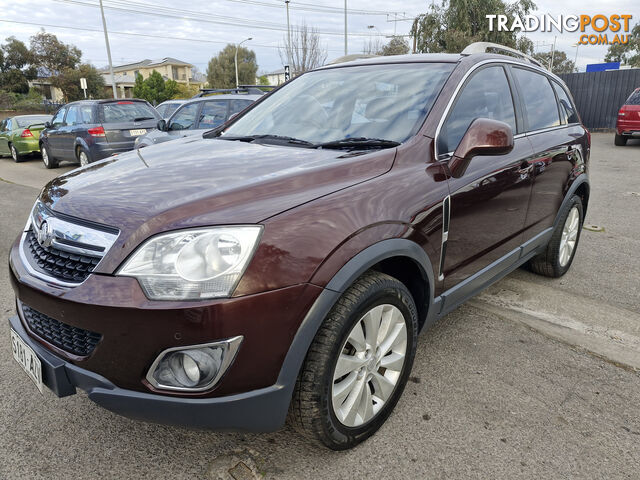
x=19 y=135
x=90 y=130
x=628 y=123
x=195 y=116
x=165 y=109
x=288 y=261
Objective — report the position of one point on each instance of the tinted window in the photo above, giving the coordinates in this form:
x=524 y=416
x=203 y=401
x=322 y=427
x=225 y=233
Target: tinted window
x=185 y=118
x=486 y=95
x=85 y=114
x=59 y=117
x=117 y=112
x=540 y=105
x=213 y=114
x=634 y=99
x=567 y=110
x=238 y=105
x=319 y=106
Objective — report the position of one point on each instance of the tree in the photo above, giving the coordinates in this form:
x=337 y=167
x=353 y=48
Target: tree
x=396 y=46
x=221 y=71
x=16 y=67
x=561 y=64
x=627 y=53
x=305 y=51
x=154 y=89
x=68 y=80
x=454 y=24
x=185 y=91
x=53 y=56
x=372 y=46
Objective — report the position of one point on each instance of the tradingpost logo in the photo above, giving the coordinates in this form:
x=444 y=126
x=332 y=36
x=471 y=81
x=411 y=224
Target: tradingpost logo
x=608 y=30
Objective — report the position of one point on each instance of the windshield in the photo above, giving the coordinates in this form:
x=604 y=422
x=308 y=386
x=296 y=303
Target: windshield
x=34 y=120
x=387 y=102
x=124 y=111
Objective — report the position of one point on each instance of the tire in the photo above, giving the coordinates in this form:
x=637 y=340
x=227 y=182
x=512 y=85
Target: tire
x=15 y=154
x=83 y=157
x=313 y=408
x=555 y=261
x=619 y=140
x=47 y=159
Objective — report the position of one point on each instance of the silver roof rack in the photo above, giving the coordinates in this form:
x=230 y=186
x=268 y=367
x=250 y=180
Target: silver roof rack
x=488 y=47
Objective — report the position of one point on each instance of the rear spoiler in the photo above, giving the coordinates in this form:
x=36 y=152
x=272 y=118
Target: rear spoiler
x=33 y=125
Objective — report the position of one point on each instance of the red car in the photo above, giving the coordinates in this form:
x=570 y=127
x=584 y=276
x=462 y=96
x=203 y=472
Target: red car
x=628 y=124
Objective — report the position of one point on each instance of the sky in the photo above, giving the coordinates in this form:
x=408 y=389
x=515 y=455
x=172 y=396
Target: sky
x=78 y=22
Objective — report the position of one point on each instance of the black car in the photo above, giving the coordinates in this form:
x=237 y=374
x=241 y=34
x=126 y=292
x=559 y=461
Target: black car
x=192 y=117
x=90 y=130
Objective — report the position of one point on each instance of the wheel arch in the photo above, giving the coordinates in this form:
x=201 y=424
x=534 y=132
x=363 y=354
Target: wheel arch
x=580 y=186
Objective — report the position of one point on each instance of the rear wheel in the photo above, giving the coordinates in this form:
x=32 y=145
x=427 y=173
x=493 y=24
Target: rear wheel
x=358 y=363
x=83 y=157
x=557 y=258
x=619 y=140
x=47 y=159
x=15 y=154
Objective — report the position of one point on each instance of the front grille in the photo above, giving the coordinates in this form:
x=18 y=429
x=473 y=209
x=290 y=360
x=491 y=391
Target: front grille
x=74 y=340
x=62 y=265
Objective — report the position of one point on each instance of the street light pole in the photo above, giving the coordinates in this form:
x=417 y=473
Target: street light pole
x=289 y=51
x=236 y=58
x=106 y=40
x=575 y=60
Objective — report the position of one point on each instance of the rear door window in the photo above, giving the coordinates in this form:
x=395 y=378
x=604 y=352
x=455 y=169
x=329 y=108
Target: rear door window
x=540 y=107
x=567 y=109
x=213 y=114
x=72 y=116
x=127 y=112
x=486 y=95
x=185 y=118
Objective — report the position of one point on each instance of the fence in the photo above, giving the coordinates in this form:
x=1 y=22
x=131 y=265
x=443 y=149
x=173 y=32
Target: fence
x=599 y=95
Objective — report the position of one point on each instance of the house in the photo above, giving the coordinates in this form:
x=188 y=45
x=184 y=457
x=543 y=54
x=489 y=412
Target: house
x=169 y=68
x=275 y=78
x=49 y=92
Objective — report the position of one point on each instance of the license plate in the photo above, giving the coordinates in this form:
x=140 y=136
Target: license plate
x=137 y=133
x=27 y=359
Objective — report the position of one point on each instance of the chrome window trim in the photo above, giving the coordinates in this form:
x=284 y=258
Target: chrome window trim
x=230 y=346
x=473 y=68
x=446 y=224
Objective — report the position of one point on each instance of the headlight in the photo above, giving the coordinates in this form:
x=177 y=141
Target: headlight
x=193 y=264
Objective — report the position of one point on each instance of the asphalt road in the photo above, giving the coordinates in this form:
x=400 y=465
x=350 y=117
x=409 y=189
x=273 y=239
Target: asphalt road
x=524 y=382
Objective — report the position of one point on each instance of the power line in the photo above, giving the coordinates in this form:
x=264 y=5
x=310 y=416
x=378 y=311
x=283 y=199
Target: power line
x=155 y=10
x=315 y=8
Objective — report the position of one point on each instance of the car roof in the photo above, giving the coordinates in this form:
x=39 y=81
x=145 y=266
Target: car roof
x=17 y=117
x=225 y=96
x=105 y=100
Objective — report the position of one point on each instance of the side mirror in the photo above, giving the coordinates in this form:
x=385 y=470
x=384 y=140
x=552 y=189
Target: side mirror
x=162 y=125
x=47 y=124
x=483 y=137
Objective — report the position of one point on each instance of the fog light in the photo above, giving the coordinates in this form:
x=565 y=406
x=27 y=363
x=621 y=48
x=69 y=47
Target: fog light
x=193 y=368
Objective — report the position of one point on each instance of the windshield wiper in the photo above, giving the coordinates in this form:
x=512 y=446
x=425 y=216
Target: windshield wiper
x=359 y=142
x=277 y=138
x=139 y=119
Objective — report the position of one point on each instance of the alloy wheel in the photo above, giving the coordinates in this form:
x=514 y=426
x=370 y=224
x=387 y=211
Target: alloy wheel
x=369 y=366
x=45 y=156
x=84 y=160
x=569 y=236
x=14 y=153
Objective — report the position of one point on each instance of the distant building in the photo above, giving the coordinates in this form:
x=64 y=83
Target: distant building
x=169 y=68
x=275 y=78
x=48 y=91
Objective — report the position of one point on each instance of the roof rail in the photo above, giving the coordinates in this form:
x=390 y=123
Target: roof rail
x=486 y=47
x=246 y=89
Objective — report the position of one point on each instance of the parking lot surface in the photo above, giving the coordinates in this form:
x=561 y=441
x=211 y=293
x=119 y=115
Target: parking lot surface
x=534 y=378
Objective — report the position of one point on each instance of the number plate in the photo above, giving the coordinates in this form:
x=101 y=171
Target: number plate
x=27 y=359
x=137 y=133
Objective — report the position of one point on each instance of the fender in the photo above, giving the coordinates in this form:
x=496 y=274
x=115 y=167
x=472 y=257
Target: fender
x=580 y=179
x=80 y=142
x=394 y=247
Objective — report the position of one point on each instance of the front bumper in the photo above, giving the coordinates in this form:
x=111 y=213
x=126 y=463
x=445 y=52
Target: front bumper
x=262 y=410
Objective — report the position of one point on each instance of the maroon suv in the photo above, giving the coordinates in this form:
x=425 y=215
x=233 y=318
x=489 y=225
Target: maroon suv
x=286 y=262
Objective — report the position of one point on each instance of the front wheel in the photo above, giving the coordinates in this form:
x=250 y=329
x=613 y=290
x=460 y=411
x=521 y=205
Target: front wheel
x=358 y=364
x=556 y=260
x=47 y=159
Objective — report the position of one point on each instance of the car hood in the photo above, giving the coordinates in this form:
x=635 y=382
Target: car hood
x=194 y=182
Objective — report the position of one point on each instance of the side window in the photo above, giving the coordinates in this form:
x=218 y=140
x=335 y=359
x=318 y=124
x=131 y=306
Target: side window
x=213 y=114
x=59 y=117
x=238 y=105
x=185 y=118
x=486 y=95
x=567 y=110
x=541 y=109
x=72 y=116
